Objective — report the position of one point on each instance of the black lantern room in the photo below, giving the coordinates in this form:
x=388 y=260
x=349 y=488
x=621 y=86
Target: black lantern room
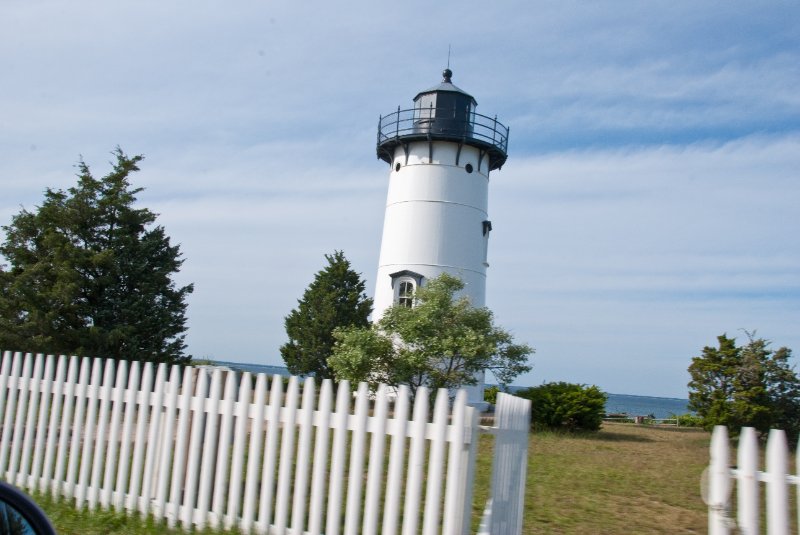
x=443 y=113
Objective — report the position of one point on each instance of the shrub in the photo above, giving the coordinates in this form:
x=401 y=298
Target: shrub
x=566 y=406
x=688 y=420
x=490 y=394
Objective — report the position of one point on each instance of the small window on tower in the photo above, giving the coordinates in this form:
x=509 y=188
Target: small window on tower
x=405 y=293
x=404 y=285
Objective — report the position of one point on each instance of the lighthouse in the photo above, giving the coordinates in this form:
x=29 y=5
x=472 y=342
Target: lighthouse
x=440 y=153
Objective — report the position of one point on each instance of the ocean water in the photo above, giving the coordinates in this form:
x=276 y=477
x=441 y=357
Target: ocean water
x=616 y=403
x=640 y=405
x=254 y=368
x=646 y=405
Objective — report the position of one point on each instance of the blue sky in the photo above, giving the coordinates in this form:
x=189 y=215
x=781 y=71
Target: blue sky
x=649 y=202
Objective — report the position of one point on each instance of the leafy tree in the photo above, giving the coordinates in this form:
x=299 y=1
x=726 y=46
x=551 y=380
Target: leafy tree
x=441 y=342
x=89 y=274
x=566 y=406
x=490 y=394
x=335 y=298
x=749 y=385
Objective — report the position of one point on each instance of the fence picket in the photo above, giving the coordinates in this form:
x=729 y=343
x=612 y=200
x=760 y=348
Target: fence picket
x=33 y=388
x=316 y=503
x=352 y=517
x=143 y=412
x=131 y=397
x=470 y=455
x=747 y=481
x=453 y=516
x=166 y=441
x=289 y=417
x=195 y=446
x=207 y=472
x=66 y=428
x=152 y=451
x=41 y=424
x=179 y=454
x=100 y=459
x=53 y=425
x=223 y=450
x=303 y=457
x=777 y=488
x=87 y=457
x=338 y=459
x=77 y=427
x=22 y=389
x=254 y=453
x=415 y=461
x=117 y=408
x=241 y=411
x=6 y=387
x=375 y=468
x=265 y=506
x=436 y=461
x=394 y=483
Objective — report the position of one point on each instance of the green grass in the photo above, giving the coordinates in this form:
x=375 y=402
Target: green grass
x=67 y=520
x=624 y=479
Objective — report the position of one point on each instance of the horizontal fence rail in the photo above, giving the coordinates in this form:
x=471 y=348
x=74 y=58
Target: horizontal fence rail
x=747 y=478
x=212 y=448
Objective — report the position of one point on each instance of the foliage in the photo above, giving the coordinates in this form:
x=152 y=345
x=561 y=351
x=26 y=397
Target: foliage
x=749 y=385
x=441 y=342
x=490 y=394
x=688 y=420
x=335 y=298
x=90 y=275
x=568 y=406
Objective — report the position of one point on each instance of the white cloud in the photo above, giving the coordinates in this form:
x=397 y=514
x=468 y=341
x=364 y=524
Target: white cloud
x=624 y=250
x=648 y=203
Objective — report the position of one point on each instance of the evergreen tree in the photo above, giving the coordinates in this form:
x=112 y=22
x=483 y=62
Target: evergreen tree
x=440 y=342
x=90 y=275
x=749 y=385
x=335 y=298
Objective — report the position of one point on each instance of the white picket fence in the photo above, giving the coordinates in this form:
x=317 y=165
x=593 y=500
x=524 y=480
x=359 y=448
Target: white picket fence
x=746 y=519
x=205 y=449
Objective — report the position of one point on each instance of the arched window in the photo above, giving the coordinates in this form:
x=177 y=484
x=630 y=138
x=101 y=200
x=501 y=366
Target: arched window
x=405 y=284
x=405 y=293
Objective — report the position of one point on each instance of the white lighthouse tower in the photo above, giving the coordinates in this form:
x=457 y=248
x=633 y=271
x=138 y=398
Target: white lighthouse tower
x=440 y=153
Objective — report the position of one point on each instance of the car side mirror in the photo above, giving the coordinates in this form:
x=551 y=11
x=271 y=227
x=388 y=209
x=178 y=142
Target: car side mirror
x=19 y=514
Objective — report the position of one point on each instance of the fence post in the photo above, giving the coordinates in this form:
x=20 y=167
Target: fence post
x=470 y=455
x=747 y=482
x=777 y=491
x=797 y=471
x=512 y=418
x=718 y=482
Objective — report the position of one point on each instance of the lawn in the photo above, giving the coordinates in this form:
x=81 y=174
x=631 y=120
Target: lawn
x=624 y=479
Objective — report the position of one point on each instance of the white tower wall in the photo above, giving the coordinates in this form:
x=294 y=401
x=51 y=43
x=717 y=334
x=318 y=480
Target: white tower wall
x=434 y=222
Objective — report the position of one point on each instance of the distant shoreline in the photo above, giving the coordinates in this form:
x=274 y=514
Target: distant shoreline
x=631 y=404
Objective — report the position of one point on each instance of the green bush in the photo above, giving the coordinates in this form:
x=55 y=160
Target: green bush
x=490 y=394
x=566 y=406
x=688 y=420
